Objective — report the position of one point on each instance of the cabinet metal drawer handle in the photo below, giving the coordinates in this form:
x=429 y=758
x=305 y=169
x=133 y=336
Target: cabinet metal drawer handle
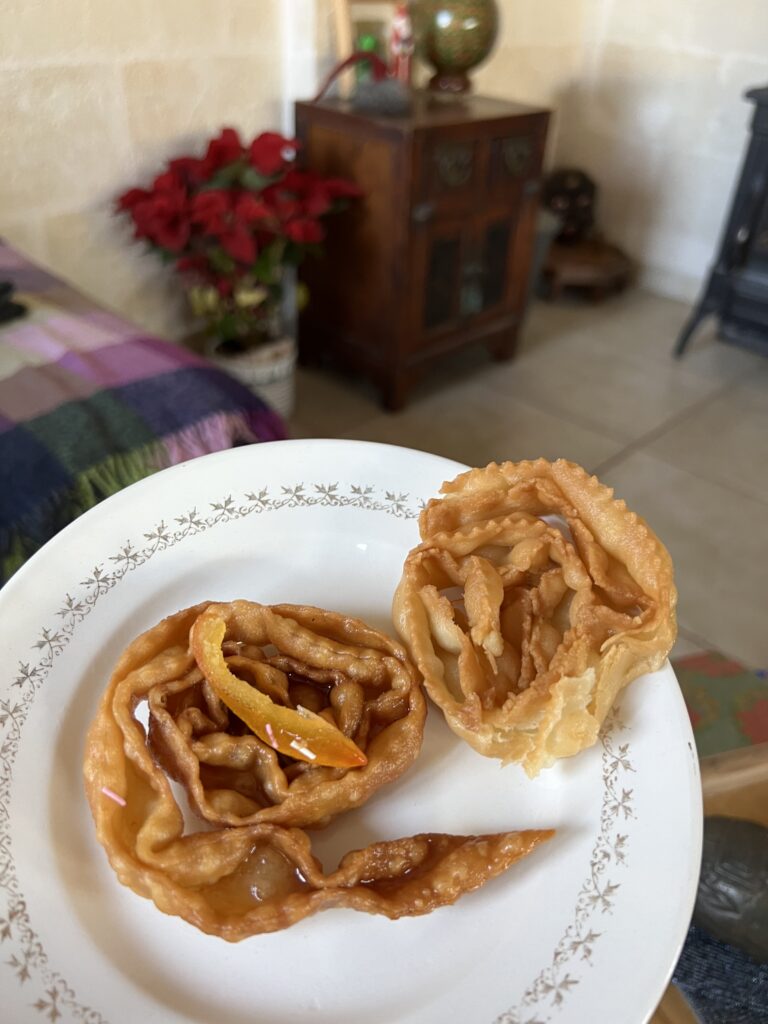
x=517 y=153
x=423 y=212
x=455 y=163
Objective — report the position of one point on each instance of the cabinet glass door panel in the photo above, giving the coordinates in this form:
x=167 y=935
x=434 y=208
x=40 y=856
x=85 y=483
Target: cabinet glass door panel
x=441 y=283
x=495 y=262
x=466 y=272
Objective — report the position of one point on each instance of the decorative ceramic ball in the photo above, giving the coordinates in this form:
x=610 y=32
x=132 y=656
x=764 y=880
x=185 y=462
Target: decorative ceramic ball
x=454 y=37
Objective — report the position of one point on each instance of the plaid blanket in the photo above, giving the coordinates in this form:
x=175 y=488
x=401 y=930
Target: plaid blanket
x=88 y=405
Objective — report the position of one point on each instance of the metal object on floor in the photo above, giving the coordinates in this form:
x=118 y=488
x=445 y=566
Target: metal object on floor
x=737 y=288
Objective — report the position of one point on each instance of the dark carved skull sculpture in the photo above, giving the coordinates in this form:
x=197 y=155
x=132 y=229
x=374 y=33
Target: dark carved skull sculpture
x=570 y=196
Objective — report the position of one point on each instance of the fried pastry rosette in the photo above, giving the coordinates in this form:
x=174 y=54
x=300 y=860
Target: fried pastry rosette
x=320 y=678
x=534 y=598
x=229 y=689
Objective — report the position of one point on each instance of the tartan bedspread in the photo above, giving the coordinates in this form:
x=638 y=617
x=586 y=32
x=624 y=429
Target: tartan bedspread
x=89 y=404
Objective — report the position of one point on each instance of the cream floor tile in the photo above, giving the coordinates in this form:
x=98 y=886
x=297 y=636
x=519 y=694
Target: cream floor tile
x=719 y=543
x=619 y=394
x=548 y=322
x=605 y=366
x=755 y=385
x=639 y=325
x=327 y=405
x=476 y=425
x=725 y=440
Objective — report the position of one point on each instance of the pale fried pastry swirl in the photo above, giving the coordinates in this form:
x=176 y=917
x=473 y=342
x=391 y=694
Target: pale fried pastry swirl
x=534 y=598
x=254 y=871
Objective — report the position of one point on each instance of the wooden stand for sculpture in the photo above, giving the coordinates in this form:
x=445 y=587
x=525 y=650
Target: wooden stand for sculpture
x=592 y=266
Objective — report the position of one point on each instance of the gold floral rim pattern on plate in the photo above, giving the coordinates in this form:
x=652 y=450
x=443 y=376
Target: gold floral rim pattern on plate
x=25 y=955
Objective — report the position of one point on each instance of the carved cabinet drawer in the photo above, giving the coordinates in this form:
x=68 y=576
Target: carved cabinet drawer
x=463 y=170
x=453 y=170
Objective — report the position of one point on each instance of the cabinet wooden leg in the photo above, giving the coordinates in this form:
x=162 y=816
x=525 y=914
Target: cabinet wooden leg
x=553 y=286
x=395 y=391
x=503 y=348
x=308 y=355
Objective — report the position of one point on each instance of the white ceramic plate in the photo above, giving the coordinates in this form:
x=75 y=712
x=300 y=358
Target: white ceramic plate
x=587 y=928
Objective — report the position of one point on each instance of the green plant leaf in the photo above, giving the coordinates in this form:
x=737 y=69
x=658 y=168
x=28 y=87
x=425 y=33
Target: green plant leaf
x=251 y=179
x=221 y=261
x=225 y=177
x=267 y=266
x=227 y=326
x=294 y=253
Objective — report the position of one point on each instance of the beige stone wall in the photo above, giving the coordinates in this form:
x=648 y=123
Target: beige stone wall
x=539 y=57
x=659 y=119
x=95 y=94
x=648 y=98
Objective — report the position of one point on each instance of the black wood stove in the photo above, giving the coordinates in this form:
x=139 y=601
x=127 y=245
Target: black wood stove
x=737 y=289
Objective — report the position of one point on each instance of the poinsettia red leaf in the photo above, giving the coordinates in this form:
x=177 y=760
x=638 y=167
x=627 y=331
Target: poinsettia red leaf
x=239 y=243
x=284 y=207
x=163 y=218
x=187 y=168
x=304 y=230
x=212 y=202
x=248 y=208
x=209 y=210
x=131 y=198
x=225 y=149
x=168 y=181
x=143 y=212
x=270 y=153
x=230 y=139
x=195 y=263
x=317 y=203
x=172 y=235
x=300 y=182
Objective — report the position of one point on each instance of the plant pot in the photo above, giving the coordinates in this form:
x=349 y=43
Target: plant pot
x=454 y=37
x=268 y=369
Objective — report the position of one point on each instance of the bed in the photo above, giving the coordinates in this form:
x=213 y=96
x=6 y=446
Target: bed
x=90 y=404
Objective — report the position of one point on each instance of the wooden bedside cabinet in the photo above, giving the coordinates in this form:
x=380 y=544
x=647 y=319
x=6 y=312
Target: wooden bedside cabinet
x=438 y=253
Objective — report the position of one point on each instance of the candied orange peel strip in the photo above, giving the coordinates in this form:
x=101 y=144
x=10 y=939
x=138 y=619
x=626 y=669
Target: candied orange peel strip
x=301 y=735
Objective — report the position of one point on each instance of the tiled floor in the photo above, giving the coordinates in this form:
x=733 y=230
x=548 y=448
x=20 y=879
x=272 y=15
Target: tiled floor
x=686 y=443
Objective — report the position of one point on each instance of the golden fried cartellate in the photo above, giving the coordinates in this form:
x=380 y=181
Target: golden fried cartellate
x=326 y=685
x=533 y=599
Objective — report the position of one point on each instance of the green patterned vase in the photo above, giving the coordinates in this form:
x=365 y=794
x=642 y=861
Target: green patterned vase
x=455 y=36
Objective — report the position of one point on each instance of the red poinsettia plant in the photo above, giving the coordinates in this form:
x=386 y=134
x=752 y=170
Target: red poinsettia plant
x=231 y=222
